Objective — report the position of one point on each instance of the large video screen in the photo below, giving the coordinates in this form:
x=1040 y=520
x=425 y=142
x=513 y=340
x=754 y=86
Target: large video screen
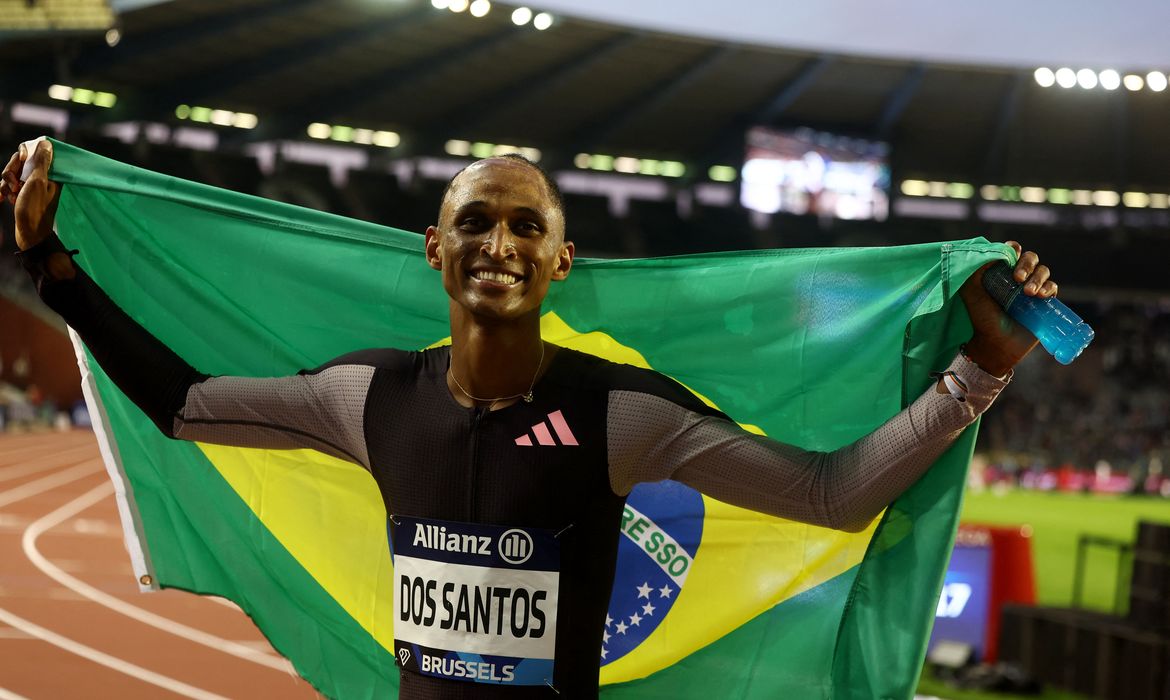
x=803 y=171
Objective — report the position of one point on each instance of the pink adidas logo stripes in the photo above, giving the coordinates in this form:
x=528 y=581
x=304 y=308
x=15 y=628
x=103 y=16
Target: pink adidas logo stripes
x=544 y=437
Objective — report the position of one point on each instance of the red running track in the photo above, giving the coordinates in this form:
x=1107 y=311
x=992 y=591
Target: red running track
x=72 y=621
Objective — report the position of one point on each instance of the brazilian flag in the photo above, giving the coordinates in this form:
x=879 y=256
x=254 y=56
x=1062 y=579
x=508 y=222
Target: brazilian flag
x=811 y=347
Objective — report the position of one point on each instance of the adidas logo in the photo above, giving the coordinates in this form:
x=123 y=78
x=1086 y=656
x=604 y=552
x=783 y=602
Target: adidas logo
x=544 y=437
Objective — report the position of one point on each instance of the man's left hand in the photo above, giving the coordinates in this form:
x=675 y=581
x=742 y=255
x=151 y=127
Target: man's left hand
x=998 y=342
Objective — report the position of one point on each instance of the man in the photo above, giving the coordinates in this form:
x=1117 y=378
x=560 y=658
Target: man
x=438 y=430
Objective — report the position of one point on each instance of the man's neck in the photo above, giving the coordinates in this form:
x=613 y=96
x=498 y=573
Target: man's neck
x=491 y=359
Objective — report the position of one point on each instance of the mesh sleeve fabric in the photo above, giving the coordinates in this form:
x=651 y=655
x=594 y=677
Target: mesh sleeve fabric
x=651 y=438
x=323 y=411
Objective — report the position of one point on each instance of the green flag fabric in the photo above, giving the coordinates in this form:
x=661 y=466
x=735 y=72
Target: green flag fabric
x=811 y=347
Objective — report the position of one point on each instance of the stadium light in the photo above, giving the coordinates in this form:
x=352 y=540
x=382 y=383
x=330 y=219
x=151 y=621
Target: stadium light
x=1159 y=201
x=387 y=139
x=1034 y=195
x=936 y=189
x=1136 y=200
x=479 y=8
x=581 y=160
x=245 y=120
x=1059 y=195
x=1066 y=78
x=113 y=36
x=221 y=117
x=960 y=190
x=1156 y=81
x=317 y=130
x=1110 y=79
x=457 y=5
x=542 y=21
x=457 y=147
x=1086 y=78
x=201 y=114
x=915 y=188
x=722 y=173
x=60 y=92
x=439 y=4
x=601 y=162
x=989 y=193
x=82 y=96
x=1133 y=83
x=1082 y=198
x=521 y=16
x=1106 y=198
x=363 y=136
x=626 y=164
x=671 y=168
x=1045 y=77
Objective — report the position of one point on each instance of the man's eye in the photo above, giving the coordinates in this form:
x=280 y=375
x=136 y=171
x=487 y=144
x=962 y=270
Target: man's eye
x=471 y=222
x=528 y=227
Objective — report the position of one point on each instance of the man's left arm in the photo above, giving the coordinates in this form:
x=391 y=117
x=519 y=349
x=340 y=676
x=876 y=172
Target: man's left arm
x=652 y=437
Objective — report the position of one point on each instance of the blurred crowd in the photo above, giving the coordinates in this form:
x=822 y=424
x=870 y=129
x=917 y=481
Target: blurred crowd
x=1099 y=424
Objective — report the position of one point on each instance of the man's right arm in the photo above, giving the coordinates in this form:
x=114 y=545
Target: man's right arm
x=322 y=410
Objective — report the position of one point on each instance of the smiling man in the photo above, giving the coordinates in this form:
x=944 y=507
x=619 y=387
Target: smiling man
x=503 y=461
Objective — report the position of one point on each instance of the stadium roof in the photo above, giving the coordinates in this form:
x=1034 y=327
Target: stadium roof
x=587 y=86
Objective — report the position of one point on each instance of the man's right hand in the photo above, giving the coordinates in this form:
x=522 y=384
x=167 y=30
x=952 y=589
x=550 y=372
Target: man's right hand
x=35 y=200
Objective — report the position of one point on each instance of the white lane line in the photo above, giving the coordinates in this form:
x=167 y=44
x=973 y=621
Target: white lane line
x=9 y=695
x=7 y=617
x=77 y=506
x=32 y=488
x=16 y=471
x=106 y=660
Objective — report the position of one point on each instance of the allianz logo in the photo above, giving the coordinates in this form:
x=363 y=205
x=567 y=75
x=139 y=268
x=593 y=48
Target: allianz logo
x=515 y=545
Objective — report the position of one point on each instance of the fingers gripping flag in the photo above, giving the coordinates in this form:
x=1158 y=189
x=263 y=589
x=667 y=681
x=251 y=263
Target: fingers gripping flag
x=812 y=347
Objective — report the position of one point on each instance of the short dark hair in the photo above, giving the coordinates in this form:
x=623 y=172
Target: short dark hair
x=549 y=182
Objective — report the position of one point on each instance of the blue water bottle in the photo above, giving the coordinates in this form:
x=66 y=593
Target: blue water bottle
x=1058 y=329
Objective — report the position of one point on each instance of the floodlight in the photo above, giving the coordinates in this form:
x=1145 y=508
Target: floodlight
x=1110 y=79
x=542 y=21
x=521 y=16
x=1156 y=81
x=1045 y=77
x=1066 y=77
x=1134 y=82
x=1086 y=78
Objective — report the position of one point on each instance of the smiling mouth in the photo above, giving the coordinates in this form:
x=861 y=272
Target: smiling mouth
x=496 y=276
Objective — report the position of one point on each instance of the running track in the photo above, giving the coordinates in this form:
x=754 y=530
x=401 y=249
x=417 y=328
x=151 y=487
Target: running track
x=72 y=622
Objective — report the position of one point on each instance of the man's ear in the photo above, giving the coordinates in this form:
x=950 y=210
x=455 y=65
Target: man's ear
x=564 y=261
x=434 y=259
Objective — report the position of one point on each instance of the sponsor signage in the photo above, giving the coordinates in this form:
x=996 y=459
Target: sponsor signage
x=475 y=602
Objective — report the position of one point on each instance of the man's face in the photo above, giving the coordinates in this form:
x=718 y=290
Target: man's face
x=500 y=240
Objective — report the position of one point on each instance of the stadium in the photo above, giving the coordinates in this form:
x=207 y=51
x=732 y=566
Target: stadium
x=268 y=165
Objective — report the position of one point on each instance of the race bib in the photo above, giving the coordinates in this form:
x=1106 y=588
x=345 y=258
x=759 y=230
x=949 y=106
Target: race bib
x=475 y=602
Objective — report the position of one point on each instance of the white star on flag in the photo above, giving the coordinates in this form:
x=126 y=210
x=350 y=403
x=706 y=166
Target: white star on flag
x=605 y=636
x=665 y=591
x=621 y=628
x=608 y=620
x=603 y=652
x=635 y=620
x=644 y=590
x=647 y=609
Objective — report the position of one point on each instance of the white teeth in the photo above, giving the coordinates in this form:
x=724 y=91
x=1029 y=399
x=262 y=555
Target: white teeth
x=500 y=277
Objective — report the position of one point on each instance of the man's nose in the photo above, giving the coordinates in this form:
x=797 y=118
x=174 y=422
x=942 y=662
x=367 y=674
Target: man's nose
x=499 y=244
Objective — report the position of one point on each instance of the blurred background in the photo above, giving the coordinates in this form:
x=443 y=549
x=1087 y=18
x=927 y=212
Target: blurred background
x=688 y=127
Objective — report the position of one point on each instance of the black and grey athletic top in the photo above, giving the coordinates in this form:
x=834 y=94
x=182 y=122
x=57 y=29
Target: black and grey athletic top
x=564 y=462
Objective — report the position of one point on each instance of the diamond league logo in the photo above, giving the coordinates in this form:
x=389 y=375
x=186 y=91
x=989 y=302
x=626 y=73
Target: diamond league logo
x=661 y=529
x=403 y=655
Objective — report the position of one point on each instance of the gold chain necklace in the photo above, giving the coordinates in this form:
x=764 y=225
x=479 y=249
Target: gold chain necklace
x=527 y=395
